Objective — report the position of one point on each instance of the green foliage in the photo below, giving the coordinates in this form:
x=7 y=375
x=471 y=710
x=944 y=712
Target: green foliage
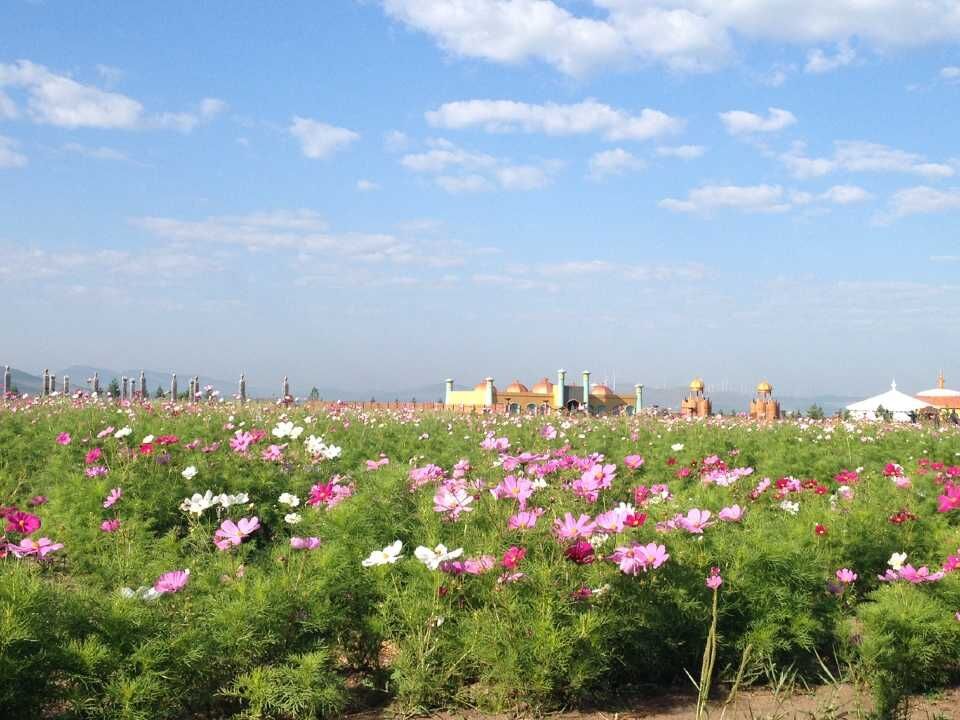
x=815 y=412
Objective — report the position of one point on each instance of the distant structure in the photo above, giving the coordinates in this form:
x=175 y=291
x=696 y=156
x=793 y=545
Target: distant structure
x=696 y=404
x=894 y=404
x=945 y=400
x=545 y=397
x=763 y=406
x=7 y=387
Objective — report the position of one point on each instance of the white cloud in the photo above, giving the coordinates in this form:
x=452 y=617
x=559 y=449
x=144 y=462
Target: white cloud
x=740 y=122
x=922 y=200
x=613 y=162
x=62 y=101
x=580 y=118
x=95 y=153
x=951 y=72
x=845 y=195
x=9 y=157
x=684 y=152
x=684 y=35
x=319 y=140
x=748 y=198
x=367 y=185
x=395 y=141
x=819 y=62
x=477 y=172
x=945 y=258
x=860 y=156
x=8 y=108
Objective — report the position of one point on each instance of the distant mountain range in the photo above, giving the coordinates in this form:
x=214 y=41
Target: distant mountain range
x=725 y=402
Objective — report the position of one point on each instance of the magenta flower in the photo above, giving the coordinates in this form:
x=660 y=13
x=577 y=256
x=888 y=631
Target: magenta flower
x=581 y=552
x=634 y=462
x=96 y=471
x=21 y=522
x=714 y=580
x=172 y=582
x=63 y=438
x=307 y=543
x=330 y=493
x=242 y=441
x=950 y=500
x=846 y=576
x=115 y=494
x=37 y=500
x=570 y=529
x=41 y=548
x=109 y=526
x=273 y=453
x=513 y=556
x=639 y=557
x=549 y=432
x=514 y=488
x=92 y=456
x=232 y=533
x=373 y=465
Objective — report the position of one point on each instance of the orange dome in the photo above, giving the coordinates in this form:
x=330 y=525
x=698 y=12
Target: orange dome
x=482 y=385
x=764 y=387
x=516 y=386
x=697 y=384
x=601 y=390
x=544 y=386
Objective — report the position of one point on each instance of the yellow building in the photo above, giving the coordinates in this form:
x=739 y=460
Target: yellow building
x=545 y=397
x=696 y=404
x=763 y=406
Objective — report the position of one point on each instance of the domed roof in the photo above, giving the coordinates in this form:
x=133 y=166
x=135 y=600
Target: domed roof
x=599 y=389
x=764 y=387
x=697 y=384
x=544 y=386
x=482 y=385
x=516 y=386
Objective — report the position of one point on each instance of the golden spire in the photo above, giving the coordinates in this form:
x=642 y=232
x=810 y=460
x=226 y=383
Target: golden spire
x=940 y=380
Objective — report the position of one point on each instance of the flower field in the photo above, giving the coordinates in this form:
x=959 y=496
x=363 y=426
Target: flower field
x=166 y=561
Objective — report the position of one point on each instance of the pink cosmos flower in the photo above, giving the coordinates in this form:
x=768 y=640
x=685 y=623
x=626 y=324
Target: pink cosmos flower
x=512 y=557
x=919 y=575
x=63 y=438
x=846 y=576
x=514 y=488
x=639 y=557
x=571 y=529
x=695 y=521
x=109 y=526
x=470 y=566
x=452 y=501
x=950 y=500
x=714 y=580
x=596 y=478
x=93 y=455
x=492 y=443
x=634 y=462
x=21 y=522
x=232 y=533
x=273 y=453
x=241 y=441
x=549 y=432
x=611 y=521
x=525 y=519
x=41 y=548
x=115 y=494
x=734 y=513
x=96 y=471
x=307 y=543
x=106 y=431
x=373 y=465
x=172 y=582
x=37 y=500
x=507 y=578
x=330 y=493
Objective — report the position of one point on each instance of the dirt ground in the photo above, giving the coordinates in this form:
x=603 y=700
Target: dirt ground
x=825 y=703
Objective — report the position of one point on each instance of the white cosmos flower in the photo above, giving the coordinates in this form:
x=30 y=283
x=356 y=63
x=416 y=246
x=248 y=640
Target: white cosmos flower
x=288 y=499
x=292 y=518
x=332 y=452
x=389 y=555
x=123 y=432
x=677 y=447
x=433 y=558
x=225 y=501
x=896 y=560
x=315 y=445
x=189 y=473
x=147 y=440
x=283 y=430
x=791 y=507
x=197 y=503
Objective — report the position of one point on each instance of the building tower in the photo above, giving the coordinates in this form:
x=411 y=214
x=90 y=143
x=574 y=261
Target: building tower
x=763 y=406
x=696 y=404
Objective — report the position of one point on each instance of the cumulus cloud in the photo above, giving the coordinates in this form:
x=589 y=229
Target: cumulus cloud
x=59 y=100
x=367 y=185
x=683 y=35
x=741 y=122
x=613 y=162
x=684 y=152
x=860 y=156
x=819 y=62
x=9 y=157
x=319 y=140
x=845 y=195
x=395 y=141
x=580 y=118
x=747 y=198
x=951 y=72
x=95 y=153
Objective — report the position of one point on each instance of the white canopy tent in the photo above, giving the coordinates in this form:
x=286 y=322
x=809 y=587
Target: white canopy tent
x=893 y=401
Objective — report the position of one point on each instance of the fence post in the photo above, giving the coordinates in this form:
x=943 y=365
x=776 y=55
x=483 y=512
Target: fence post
x=243 y=389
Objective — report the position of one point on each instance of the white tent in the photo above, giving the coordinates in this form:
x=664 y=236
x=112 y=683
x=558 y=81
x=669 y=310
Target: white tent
x=894 y=401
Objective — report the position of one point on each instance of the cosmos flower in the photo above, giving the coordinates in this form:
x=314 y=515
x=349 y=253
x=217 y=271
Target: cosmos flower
x=389 y=555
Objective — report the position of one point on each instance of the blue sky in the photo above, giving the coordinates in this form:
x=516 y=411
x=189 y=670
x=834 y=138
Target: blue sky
x=383 y=194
